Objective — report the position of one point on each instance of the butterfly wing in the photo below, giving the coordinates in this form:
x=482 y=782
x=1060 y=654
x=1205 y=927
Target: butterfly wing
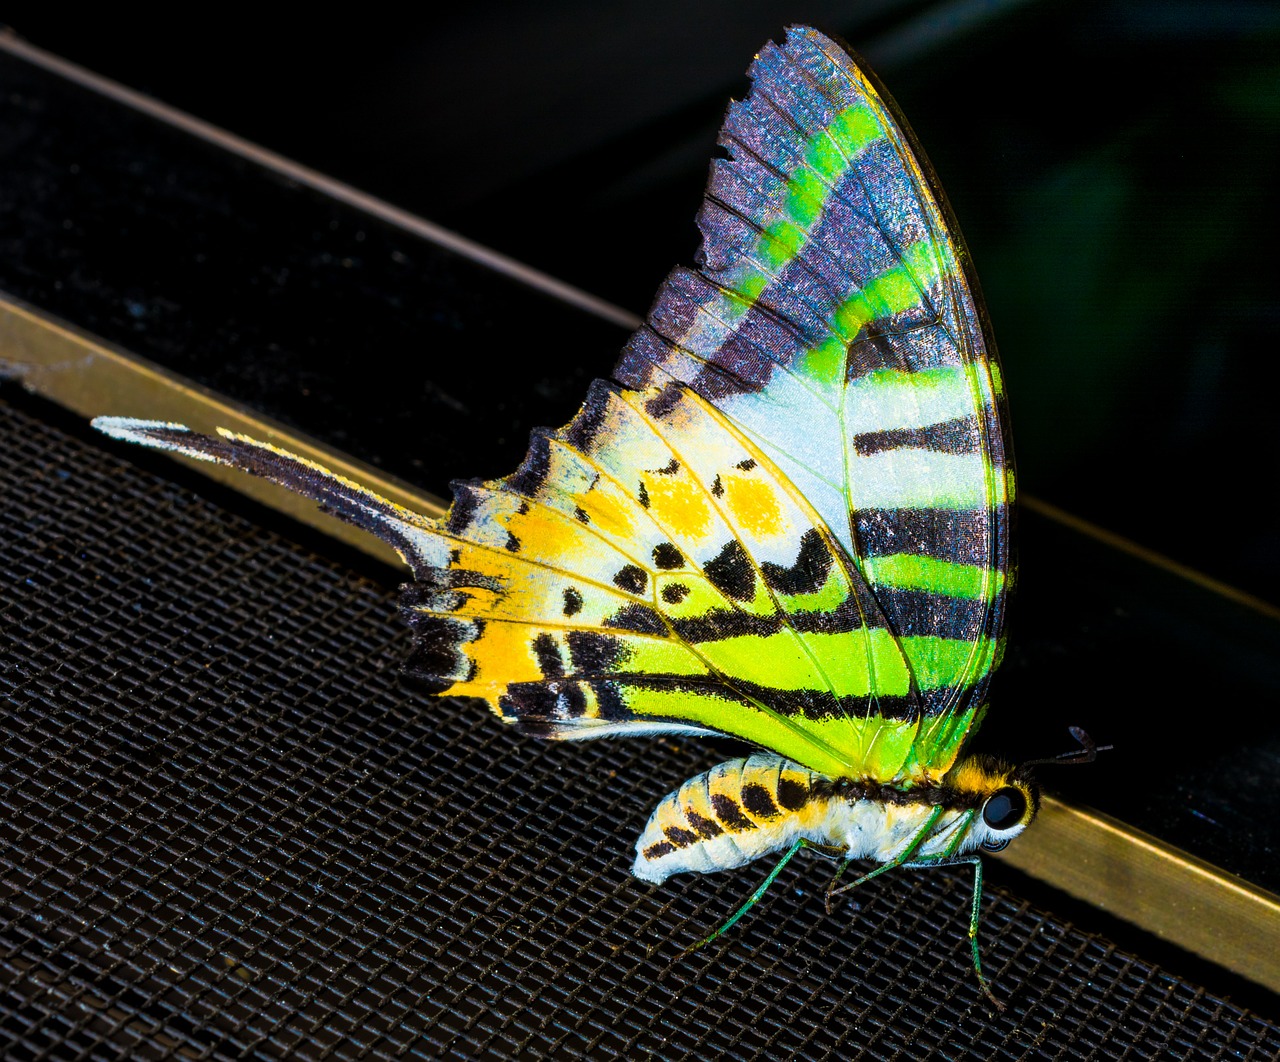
x=645 y=570
x=652 y=569
x=832 y=321
x=787 y=523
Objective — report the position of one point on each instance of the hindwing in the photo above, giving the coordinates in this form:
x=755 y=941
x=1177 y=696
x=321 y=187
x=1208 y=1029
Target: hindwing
x=656 y=571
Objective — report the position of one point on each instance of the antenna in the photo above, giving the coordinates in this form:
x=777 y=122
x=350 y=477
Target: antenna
x=1087 y=753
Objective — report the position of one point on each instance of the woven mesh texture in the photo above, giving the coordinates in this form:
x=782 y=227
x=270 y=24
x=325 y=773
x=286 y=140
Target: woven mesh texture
x=228 y=829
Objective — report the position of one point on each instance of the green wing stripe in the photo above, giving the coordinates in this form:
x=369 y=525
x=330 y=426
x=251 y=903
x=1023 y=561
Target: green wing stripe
x=824 y=160
x=772 y=661
x=910 y=571
x=828 y=750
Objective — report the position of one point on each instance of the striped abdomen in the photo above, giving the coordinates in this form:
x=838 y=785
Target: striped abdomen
x=747 y=808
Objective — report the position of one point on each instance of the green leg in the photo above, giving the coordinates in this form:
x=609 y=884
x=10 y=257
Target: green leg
x=974 y=914
x=902 y=857
x=755 y=896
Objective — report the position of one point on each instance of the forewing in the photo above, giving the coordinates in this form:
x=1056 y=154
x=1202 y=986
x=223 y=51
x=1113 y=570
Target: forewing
x=832 y=321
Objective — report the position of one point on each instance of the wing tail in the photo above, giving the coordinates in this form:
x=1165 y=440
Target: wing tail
x=409 y=533
x=440 y=657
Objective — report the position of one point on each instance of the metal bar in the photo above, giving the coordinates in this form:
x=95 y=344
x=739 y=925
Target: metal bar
x=1120 y=869
x=1166 y=891
x=1147 y=556
x=91 y=377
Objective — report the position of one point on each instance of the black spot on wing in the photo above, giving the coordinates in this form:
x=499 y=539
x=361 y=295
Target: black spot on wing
x=609 y=701
x=574 y=699
x=513 y=543
x=642 y=496
x=840 y=620
x=632 y=579
x=674 y=593
x=594 y=653
x=546 y=651
x=731 y=573
x=572 y=601
x=724 y=623
x=667 y=557
x=639 y=618
x=658 y=849
x=532 y=700
x=808 y=574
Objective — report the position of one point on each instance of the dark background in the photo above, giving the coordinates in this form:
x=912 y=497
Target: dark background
x=1113 y=166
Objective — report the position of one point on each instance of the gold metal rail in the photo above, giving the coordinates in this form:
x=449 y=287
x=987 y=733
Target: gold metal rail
x=91 y=377
x=1105 y=862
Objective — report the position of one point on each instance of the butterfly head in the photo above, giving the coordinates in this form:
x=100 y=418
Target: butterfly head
x=1007 y=799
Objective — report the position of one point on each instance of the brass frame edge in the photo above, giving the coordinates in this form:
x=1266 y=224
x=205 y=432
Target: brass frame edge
x=93 y=378
x=1084 y=853
x=1148 y=556
x=1141 y=879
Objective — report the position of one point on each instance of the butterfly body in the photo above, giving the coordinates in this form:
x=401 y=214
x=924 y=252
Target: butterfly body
x=747 y=808
x=784 y=520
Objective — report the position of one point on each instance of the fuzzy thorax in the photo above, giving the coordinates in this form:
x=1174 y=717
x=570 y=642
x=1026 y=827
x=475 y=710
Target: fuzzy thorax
x=747 y=808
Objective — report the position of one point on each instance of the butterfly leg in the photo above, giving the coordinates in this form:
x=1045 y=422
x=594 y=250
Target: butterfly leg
x=974 y=913
x=760 y=891
x=902 y=857
x=831 y=888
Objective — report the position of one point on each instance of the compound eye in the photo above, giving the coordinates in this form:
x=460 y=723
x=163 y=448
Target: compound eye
x=1004 y=809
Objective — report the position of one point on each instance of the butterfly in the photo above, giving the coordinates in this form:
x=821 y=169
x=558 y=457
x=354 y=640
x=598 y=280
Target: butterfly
x=785 y=519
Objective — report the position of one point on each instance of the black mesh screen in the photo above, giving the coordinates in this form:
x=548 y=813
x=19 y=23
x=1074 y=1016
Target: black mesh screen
x=228 y=829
